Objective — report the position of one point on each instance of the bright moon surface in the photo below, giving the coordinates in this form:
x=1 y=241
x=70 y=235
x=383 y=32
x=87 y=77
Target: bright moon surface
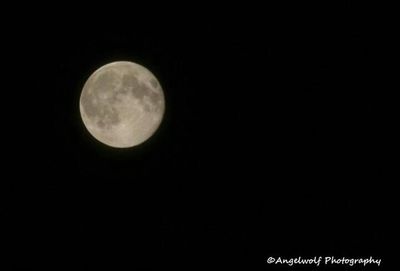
x=122 y=104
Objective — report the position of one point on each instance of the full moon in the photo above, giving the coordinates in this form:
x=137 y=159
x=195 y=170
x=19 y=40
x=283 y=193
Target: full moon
x=122 y=104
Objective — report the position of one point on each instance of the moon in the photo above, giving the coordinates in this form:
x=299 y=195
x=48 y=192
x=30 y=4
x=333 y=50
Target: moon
x=122 y=104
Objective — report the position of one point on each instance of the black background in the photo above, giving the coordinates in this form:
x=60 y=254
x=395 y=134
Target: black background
x=271 y=144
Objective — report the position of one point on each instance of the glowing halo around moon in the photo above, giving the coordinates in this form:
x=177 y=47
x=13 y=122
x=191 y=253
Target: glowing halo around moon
x=122 y=104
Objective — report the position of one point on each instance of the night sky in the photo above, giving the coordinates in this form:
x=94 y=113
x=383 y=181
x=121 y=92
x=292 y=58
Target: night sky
x=271 y=143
